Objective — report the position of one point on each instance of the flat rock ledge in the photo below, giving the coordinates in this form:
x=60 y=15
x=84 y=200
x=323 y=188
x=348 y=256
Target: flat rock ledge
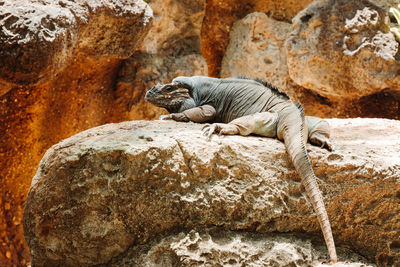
x=159 y=194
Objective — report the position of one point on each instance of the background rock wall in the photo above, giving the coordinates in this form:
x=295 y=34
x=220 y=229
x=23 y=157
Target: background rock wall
x=339 y=45
x=66 y=67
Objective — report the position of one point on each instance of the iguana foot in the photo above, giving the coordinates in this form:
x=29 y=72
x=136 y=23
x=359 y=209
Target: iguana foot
x=321 y=141
x=219 y=128
x=175 y=117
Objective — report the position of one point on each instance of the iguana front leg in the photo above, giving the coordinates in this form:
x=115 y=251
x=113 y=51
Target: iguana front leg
x=175 y=117
x=196 y=114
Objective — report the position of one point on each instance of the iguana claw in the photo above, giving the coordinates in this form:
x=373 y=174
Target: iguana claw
x=219 y=128
x=328 y=145
x=209 y=129
x=165 y=117
x=322 y=142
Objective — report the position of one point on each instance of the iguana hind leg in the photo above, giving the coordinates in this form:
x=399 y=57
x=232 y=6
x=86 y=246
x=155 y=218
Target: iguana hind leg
x=319 y=132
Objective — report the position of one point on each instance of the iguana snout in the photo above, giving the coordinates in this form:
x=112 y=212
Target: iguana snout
x=169 y=96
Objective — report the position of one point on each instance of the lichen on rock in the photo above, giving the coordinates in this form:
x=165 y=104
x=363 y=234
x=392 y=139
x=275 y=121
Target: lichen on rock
x=383 y=44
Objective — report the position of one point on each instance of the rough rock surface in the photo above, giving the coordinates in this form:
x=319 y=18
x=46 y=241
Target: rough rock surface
x=344 y=49
x=256 y=49
x=87 y=82
x=39 y=39
x=220 y=16
x=220 y=247
x=121 y=185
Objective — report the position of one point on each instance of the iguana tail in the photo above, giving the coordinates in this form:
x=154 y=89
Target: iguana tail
x=291 y=128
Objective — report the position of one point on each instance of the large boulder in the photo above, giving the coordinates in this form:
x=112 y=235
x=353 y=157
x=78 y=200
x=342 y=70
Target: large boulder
x=38 y=39
x=343 y=49
x=109 y=191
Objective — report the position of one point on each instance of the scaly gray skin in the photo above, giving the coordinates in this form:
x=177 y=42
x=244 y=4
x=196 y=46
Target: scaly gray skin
x=244 y=106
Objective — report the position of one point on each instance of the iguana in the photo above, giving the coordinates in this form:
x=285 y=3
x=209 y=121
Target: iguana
x=250 y=106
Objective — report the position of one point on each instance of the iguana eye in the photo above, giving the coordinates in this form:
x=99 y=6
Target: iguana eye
x=169 y=88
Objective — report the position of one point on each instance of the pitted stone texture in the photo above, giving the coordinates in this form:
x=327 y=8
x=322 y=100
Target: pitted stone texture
x=220 y=247
x=256 y=49
x=38 y=38
x=176 y=26
x=119 y=185
x=221 y=15
x=58 y=63
x=344 y=49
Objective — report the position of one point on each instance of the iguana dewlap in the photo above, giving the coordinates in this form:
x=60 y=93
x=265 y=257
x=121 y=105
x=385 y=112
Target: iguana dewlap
x=249 y=106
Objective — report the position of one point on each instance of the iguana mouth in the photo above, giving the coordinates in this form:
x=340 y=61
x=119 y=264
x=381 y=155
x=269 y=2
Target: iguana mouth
x=180 y=92
x=175 y=91
x=149 y=96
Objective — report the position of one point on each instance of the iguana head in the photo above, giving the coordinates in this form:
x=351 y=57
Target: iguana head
x=170 y=96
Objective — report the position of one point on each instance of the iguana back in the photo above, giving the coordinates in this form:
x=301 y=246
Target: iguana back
x=233 y=97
